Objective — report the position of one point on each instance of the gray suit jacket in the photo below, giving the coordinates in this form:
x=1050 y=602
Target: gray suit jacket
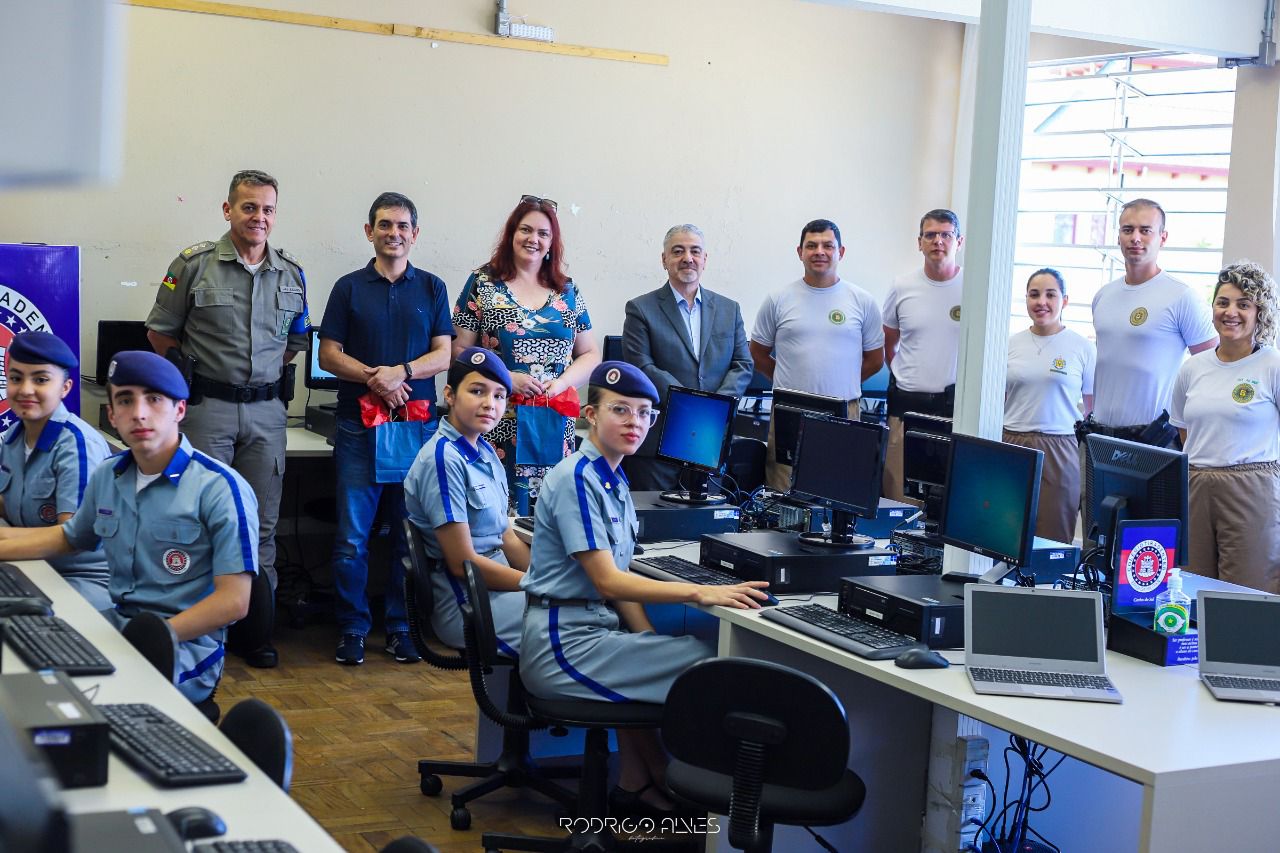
x=656 y=340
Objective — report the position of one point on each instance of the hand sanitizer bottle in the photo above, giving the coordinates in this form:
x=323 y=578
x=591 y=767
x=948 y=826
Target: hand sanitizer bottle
x=1173 y=606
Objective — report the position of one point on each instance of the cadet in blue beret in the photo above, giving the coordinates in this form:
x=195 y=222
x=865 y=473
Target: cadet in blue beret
x=586 y=635
x=47 y=455
x=456 y=495
x=179 y=528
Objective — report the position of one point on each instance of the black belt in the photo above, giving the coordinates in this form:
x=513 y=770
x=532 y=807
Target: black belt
x=547 y=601
x=939 y=404
x=235 y=393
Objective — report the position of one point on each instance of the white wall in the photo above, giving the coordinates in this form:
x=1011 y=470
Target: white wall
x=760 y=123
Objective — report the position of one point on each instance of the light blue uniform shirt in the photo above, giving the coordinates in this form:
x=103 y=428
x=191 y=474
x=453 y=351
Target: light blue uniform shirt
x=692 y=315
x=51 y=481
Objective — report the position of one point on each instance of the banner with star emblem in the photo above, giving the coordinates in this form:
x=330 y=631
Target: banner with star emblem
x=39 y=292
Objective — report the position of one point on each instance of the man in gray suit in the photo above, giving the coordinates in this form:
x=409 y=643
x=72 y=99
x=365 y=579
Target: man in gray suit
x=684 y=335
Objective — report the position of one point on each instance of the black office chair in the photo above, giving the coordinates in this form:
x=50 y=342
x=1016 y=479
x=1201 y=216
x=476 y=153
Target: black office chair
x=595 y=717
x=261 y=733
x=513 y=768
x=155 y=639
x=409 y=844
x=760 y=743
x=745 y=463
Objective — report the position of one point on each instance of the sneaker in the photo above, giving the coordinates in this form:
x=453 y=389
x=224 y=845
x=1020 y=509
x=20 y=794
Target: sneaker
x=400 y=646
x=350 y=649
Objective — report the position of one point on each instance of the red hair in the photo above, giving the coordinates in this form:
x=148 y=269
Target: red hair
x=503 y=262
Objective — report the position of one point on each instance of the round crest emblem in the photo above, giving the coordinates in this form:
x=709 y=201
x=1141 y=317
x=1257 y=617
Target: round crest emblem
x=176 y=561
x=1059 y=363
x=17 y=314
x=1147 y=565
x=1242 y=393
x=1172 y=620
x=477 y=358
x=836 y=317
x=612 y=377
x=955 y=313
x=48 y=513
x=1138 y=317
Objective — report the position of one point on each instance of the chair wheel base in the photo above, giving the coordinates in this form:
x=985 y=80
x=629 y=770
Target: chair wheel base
x=460 y=819
x=431 y=785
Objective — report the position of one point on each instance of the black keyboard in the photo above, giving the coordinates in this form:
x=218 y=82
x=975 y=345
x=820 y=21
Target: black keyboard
x=1239 y=682
x=862 y=638
x=1036 y=678
x=272 y=846
x=691 y=572
x=47 y=642
x=14 y=584
x=524 y=522
x=164 y=750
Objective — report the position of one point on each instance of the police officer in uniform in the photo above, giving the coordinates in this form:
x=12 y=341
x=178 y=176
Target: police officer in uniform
x=456 y=495
x=236 y=310
x=47 y=456
x=176 y=525
x=586 y=635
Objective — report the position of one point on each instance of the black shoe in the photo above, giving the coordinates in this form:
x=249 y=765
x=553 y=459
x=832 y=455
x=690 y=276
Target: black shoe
x=263 y=657
x=400 y=646
x=624 y=803
x=350 y=649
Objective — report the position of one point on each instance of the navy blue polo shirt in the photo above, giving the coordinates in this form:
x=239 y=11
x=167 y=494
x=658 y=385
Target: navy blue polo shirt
x=379 y=322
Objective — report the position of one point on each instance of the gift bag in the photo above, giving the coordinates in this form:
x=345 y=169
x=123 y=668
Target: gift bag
x=540 y=427
x=397 y=435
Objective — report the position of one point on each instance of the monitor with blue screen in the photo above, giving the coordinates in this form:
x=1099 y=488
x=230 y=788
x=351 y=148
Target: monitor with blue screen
x=318 y=379
x=696 y=427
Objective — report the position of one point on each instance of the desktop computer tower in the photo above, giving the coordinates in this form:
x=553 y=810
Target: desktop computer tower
x=922 y=606
x=789 y=565
x=1050 y=560
x=61 y=722
x=322 y=419
x=666 y=521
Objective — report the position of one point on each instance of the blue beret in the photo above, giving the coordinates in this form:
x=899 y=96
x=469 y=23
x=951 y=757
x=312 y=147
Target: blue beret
x=486 y=363
x=42 y=348
x=625 y=379
x=151 y=371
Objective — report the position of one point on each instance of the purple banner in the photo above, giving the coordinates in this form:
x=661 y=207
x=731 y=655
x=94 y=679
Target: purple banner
x=40 y=292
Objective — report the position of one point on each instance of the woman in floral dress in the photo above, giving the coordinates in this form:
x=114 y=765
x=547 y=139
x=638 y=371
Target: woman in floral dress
x=522 y=305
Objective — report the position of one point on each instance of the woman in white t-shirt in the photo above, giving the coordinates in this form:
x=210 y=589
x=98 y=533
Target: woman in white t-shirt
x=1226 y=405
x=1050 y=372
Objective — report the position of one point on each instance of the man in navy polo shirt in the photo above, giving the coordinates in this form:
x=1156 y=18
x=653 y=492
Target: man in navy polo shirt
x=386 y=332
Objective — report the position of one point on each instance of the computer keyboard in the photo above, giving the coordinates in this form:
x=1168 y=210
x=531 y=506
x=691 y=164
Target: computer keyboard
x=271 y=846
x=691 y=572
x=47 y=642
x=1037 y=678
x=862 y=638
x=524 y=522
x=1237 y=682
x=14 y=584
x=164 y=750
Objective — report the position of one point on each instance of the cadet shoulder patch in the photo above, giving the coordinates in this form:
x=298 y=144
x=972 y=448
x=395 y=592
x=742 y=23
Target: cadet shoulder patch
x=198 y=249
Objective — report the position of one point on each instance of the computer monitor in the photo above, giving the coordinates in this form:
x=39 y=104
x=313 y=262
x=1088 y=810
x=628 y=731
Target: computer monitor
x=759 y=385
x=613 y=348
x=839 y=465
x=118 y=336
x=1126 y=479
x=926 y=447
x=696 y=427
x=31 y=812
x=318 y=379
x=788 y=406
x=993 y=493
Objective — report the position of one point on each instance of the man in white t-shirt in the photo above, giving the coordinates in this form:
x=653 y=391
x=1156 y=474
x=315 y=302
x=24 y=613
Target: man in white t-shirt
x=809 y=335
x=1144 y=323
x=922 y=335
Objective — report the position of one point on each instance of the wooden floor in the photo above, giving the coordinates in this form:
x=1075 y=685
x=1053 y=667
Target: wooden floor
x=358 y=732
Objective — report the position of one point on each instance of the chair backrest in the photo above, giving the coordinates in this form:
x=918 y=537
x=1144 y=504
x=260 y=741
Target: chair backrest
x=478 y=612
x=155 y=639
x=719 y=704
x=409 y=844
x=261 y=733
x=482 y=656
x=419 y=601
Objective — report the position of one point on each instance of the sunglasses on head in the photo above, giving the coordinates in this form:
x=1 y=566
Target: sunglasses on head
x=549 y=202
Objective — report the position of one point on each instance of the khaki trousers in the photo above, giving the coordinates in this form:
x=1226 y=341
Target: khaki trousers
x=1235 y=524
x=1059 y=482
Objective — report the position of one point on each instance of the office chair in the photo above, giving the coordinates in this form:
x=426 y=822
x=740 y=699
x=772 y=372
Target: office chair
x=250 y=638
x=596 y=717
x=513 y=768
x=154 y=638
x=760 y=743
x=409 y=844
x=262 y=734
x=745 y=463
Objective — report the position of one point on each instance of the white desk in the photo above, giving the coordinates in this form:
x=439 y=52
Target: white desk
x=1208 y=770
x=255 y=808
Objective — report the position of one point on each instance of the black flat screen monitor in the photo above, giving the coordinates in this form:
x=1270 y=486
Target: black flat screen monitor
x=118 y=336
x=993 y=493
x=31 y=812
x=318 y=379
x=613 y=348
x=1126 y=479
x=839 y=465
x=788 y=406
x=696 y=427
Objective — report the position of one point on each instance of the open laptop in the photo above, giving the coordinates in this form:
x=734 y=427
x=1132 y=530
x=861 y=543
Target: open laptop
x=1239 y=645
x=1036 y=642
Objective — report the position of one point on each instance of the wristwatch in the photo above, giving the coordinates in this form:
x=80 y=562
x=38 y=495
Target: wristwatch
x=408 y=371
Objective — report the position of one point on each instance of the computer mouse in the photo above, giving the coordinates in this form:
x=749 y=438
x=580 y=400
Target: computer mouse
x=25 y=607
x=769 y=601
x=921 y=658
x=637 y=549
x=195 y=822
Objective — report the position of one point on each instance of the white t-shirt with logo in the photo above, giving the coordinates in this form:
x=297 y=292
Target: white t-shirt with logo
x=926 y=314
x=1143 y=331
x=1046 y=377
x=1230 y=410
x=818 y=336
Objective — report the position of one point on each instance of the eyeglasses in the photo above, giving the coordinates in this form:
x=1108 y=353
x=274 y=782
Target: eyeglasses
x=549 y=202
x=624 y=413
x=946 y=236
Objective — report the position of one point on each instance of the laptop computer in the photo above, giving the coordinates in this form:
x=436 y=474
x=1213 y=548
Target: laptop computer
x=1036 y=642
x=1239 y=645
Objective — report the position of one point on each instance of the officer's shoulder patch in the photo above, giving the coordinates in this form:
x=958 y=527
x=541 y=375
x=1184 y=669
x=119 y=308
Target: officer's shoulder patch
x=288 y=257
x=198 y=249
